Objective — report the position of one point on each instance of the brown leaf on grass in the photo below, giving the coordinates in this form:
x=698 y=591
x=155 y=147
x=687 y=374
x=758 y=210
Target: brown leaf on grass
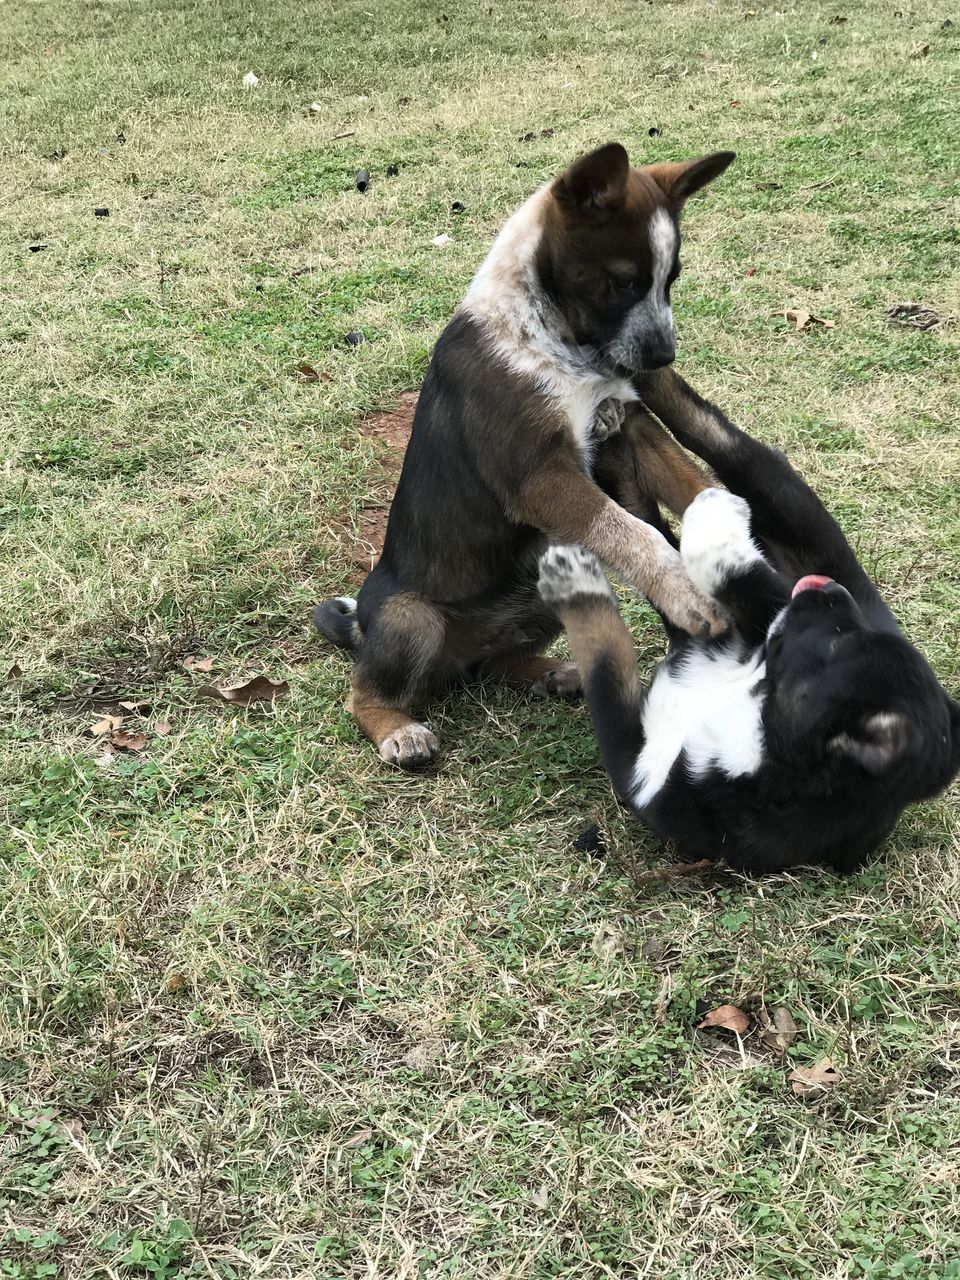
x=309 y=374
x=803 y=320
x=919 y=51
x=129 y=741
x=73 y=1128
x=135 y=704
x=813 y=1082
x=106 y=757
x=359 y=1138
x=780 y=1031
x=15 y=672
x=727 y=1017
x=109 y=724
x=199 y=664
x=162 y=728
x=607 y=942
x=424 y=1054
x=259 y=689
x=174 y=983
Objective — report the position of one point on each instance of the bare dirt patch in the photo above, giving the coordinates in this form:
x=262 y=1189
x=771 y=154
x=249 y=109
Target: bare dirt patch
x=390 y=432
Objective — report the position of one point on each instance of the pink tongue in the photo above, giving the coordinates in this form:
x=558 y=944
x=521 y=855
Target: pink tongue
x=812 y=582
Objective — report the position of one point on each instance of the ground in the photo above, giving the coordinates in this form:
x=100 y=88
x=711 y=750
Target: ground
x=270 y=1009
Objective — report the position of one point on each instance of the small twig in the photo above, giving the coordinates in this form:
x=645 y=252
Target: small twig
x=672 y=872
x=817 y=186
x=337 y=136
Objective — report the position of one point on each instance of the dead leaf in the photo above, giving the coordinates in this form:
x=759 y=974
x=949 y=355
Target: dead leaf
x=735 y=102
x=129 y=741
x=259 y=689
x=174 y=983
x=250 y=81
x=162 y=728
x=441 y=240
x=916 y=315
x=780 y=1031
x=109 y=724
x=812 y=1082
x=837 y=20
x=309 y=374
x=73 y=1128
x=15 y=672
x=728 y=1017
x=424 y=1054
x=106 y=757
x=803 y=320
x=134 y=706
x=199 y=664
x=359 y=1138
x=540 y=1198
x=607 y=942
x=919 y=51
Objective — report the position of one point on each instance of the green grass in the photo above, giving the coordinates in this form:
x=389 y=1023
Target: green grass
x=267 y=1009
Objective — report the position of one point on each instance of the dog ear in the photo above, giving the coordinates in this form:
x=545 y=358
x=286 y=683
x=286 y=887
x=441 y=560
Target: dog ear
x=597 y=181
x=881 y=740
x=679 y=181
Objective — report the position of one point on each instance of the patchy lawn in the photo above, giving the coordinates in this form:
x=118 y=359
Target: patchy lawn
x=268 y=1009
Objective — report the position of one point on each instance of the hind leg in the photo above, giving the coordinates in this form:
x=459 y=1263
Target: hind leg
x=399 y=663
x=543 y=677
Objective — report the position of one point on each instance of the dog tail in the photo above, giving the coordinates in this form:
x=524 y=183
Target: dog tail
x=336 y=620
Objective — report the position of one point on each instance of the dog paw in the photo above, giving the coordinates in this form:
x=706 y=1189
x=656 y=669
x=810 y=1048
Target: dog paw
x=412 y=746
x=715 y=541
x=608 y=418
x=680 y=600
x=563 y=682
x=569 y=571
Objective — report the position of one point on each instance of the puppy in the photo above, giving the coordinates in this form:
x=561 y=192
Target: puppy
x=519 y=406
x=799 y=736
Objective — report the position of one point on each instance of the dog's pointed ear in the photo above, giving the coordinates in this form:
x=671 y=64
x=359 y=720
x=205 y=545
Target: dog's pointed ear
x=878 y=743
x=597 y=181
x=679 y=181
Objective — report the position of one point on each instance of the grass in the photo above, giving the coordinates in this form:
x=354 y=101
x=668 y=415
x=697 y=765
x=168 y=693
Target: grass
x=269 y=1010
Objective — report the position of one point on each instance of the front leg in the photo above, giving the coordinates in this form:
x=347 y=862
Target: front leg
x=565 y=504
x=785 y=509
x=722 y=559
x=572 y=583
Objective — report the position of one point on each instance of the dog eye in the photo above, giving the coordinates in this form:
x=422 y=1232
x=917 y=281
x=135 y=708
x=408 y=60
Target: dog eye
x=624 y=284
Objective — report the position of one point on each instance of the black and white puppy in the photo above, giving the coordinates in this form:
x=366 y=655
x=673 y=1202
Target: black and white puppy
x=802 y=734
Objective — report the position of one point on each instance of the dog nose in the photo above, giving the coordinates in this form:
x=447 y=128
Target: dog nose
x=662 y=353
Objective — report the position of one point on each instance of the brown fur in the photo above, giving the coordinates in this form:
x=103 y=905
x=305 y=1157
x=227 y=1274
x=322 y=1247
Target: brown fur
x=503 y=458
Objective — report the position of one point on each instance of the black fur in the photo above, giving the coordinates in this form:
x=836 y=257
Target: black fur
x=855 y=724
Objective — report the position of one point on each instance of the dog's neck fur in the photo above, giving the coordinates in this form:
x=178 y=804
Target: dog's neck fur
x=529 y=333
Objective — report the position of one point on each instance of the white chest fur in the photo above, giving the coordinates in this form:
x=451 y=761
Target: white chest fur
x=704 y=705
x=526 y=331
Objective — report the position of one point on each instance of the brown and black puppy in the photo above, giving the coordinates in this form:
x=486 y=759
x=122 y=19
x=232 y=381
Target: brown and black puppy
x=571 y=305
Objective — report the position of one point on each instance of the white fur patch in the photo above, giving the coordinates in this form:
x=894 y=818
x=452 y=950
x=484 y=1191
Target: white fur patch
x=704 y=705
x=348 y=602
x=651 y=318
x=527 y=330
x=568 y=571
x=715 y=541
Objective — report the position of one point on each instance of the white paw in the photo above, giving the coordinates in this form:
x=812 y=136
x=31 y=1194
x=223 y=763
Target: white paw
x=568 y=571
x=608 y=418
x=410 y=747
x=564 y=682
x=715 y=541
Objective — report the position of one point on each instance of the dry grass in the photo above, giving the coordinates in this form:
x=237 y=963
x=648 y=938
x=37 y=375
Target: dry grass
x=267 y=1009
